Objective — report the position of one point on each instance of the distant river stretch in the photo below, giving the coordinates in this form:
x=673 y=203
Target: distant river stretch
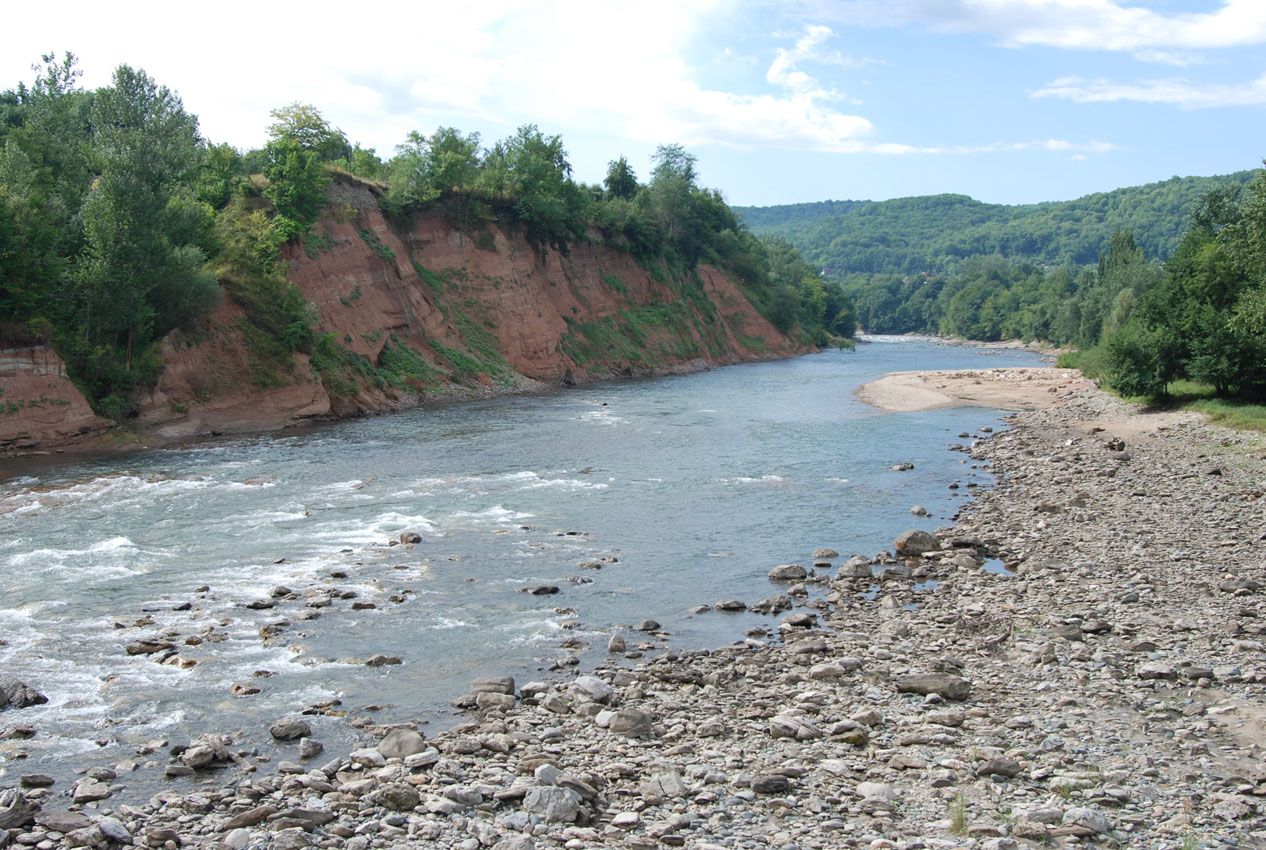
x=685 y=490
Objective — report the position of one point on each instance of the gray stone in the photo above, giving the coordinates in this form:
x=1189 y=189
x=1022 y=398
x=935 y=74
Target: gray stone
x=291 y=838
x=114 y=830
x=397 y=798
x=63 y=821
x=944 y=684
x=493 y=685
x=1156 y=670
x=15 y=694
x=1088 y=817
x=663 y=785
x=1001 y=766
x=616 y=643
x=309 y=748
x=383 y=661
x=494 y=702
x=401 y=743
x=915 y=541
x=631 y=723
x=89 y=791
x=592 y=688
x=876 y=791
x=793 y=726
x=205 y=751
x=788 y=572
x=552 y=804
x=290 y=729
x=90 y=836
x=771 y=783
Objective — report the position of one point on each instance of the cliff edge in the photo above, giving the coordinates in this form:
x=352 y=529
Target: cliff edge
x=406 y=311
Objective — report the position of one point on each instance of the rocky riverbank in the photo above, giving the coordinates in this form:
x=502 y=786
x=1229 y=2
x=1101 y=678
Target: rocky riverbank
x=1103 y=683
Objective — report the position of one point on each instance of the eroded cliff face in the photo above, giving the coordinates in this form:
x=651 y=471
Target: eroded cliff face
x=418 y=310
x=40 y=409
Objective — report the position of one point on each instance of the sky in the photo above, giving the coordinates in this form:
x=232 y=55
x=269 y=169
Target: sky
x=1008 y=101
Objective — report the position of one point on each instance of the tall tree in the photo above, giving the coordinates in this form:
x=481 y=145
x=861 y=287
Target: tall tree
x=304 y=124
x=620 y=181
x=139 y=282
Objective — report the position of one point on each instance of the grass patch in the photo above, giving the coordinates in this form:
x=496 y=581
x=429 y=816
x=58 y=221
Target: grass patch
x=401 y=366
x=599 y=341
x=615 y=283
x=375 y=244
x=347 y=300
x=314 y=244
x=1093 y=362
x=464 y=366
x=480 y=340
x=958 y=814
x=343 y=372
x=1202 y=398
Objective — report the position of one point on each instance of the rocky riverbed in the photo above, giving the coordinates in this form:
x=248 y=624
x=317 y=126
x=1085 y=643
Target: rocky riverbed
x=1103 y=684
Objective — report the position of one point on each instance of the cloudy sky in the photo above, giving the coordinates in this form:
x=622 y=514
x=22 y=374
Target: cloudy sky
x=1010 y=101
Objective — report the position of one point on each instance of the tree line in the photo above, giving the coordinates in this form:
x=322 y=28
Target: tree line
x=1140 y=323
x=937 y=233
x=120 y=223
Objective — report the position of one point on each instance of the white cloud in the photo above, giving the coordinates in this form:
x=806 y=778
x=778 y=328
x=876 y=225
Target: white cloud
x=1175 y=92
x=1076 y=24
x=618 y=68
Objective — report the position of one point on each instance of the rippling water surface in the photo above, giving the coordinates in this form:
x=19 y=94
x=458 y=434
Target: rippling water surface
x=686 y=490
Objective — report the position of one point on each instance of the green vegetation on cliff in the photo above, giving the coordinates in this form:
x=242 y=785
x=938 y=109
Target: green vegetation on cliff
x=120 y=224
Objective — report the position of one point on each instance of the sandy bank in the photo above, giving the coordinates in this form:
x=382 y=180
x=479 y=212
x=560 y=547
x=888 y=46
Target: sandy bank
x=1009 y=389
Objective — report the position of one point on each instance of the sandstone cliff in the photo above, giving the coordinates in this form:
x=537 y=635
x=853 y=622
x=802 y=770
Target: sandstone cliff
x=421 y=309
x=40 y=409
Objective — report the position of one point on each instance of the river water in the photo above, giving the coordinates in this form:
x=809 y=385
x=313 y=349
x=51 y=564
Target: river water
x=686 y=490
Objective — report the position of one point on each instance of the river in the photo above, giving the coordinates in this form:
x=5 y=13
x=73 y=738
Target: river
x=681 y=490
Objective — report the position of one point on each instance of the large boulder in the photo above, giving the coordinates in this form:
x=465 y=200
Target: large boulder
x=946 y=685
x=916 y=541
x=493 y=685
x=290 y=729
x=205 y=751
x=788 y=572
x=401 y=743
x=15 y=694
x=632 y=723
x=552 y=804
x=592 y=688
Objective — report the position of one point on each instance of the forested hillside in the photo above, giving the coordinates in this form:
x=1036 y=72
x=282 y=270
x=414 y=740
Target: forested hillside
x=935 y=233
x=120 y=225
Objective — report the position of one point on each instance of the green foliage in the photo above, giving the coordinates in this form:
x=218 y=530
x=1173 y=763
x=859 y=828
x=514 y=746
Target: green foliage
x=376 y=245
x=303 y=125
x=141 y=274
x=363 y=162
x=296 y=186
x=621 y=181
x=935 y=233
x=1206 y=319
x=278 y=320
x=533 y=169
x=219 y=175
x=425 y=168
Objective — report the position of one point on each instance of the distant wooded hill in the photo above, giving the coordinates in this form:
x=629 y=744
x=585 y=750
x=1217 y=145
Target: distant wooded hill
x=934 y=233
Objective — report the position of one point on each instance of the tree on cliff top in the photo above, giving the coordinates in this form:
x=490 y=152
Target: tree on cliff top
x=143 y=270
